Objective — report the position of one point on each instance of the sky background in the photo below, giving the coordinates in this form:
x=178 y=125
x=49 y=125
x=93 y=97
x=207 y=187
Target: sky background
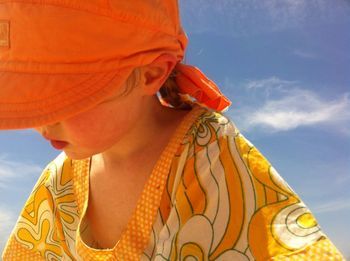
x=285 y=64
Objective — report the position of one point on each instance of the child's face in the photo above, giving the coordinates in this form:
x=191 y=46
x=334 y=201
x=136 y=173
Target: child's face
x=98 y=129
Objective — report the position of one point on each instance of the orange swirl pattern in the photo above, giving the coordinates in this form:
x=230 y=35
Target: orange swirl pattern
x=222 y=201
x=228 y=203
x=48 y=221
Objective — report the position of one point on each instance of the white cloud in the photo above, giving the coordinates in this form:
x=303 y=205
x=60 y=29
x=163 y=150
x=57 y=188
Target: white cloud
x=282 y=105
x=268 y=86
x=272 y=82
x=300 y=108
x=332 y=206
x=305 y=54
x=7 y=222
x=11 y=169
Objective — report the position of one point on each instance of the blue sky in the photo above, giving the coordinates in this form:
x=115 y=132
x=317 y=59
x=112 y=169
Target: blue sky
x=285 y=64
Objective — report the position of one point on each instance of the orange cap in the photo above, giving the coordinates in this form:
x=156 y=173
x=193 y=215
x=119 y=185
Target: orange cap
x=61 y=57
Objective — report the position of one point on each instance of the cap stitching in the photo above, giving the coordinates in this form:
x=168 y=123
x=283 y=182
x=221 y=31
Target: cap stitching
x=4 y=33
x=59 y=101
x=115 y=14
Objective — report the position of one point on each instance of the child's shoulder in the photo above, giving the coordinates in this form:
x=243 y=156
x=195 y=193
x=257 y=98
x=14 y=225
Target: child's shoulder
x=58 y=172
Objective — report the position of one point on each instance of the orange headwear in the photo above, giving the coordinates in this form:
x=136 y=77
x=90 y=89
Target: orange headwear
x=61 y=57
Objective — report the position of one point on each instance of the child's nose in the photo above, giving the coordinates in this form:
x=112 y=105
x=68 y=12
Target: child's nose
x=45 y=129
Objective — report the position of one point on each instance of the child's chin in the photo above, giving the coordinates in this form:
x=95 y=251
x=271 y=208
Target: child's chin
x=77 y=155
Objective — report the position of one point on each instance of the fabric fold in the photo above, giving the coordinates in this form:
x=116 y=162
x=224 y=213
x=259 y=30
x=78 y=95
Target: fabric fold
x=195 y=83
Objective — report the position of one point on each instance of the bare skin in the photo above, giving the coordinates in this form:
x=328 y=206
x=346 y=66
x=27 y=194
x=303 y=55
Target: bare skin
x=125 y=136
x=114 y=192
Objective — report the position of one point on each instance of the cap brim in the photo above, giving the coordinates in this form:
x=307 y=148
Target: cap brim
x=30 y=100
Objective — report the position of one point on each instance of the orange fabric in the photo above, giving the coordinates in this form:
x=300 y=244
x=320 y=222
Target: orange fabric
x=202 y=201
x=60 y=57
x=193 y=82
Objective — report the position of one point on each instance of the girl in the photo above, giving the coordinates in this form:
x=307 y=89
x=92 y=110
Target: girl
x=141 y=176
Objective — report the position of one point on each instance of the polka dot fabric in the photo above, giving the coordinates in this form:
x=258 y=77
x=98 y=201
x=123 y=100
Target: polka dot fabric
x=16 y=251
x=136 y=236
x=208 y=167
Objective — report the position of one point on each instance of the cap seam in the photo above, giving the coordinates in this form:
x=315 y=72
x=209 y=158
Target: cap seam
x=115 y=14
x=59 y=101
x=70 y=70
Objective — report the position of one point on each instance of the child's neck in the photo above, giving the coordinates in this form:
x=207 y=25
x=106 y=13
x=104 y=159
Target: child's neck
x=145 y=141
x=125 y=174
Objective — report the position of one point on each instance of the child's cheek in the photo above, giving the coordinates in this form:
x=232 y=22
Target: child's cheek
x=85 y=127
x=83 y=120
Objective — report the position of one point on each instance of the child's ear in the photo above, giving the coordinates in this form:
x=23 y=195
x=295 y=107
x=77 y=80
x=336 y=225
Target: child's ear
x=156 y=73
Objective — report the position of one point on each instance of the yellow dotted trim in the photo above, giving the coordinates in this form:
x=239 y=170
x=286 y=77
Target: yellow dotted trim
x=136 y=236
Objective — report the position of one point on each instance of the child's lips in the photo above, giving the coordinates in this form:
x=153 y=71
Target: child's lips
x=57 y=144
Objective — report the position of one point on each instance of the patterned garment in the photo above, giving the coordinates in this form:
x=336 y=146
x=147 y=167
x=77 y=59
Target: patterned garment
x=211 y=196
